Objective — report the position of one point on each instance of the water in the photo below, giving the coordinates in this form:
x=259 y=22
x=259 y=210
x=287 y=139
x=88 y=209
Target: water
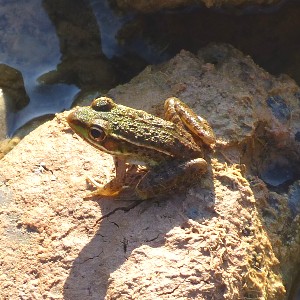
x=110 y=23
x=31 y=42
x=60 y=41
x=30 y=45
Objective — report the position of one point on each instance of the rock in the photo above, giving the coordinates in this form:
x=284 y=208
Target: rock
x=13 y=97
x=12 y=84
x=224 y=238
x=7 y=144
x=156 y=5
x=3 y=125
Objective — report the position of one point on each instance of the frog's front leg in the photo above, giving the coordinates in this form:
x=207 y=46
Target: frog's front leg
x=169 y=176
x=113 y=187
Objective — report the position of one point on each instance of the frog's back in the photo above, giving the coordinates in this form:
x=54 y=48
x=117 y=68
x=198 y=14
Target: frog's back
x=150 y=132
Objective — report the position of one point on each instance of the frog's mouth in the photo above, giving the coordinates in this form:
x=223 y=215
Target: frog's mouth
x=78 y=125
x=79 y=122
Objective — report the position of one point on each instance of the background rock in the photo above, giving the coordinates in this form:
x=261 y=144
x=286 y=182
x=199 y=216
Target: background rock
x=12 y=84
x=13 y=97
x=3 y=129
x=156 y=5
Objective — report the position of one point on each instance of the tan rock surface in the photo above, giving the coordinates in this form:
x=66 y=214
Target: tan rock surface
x=203 y=243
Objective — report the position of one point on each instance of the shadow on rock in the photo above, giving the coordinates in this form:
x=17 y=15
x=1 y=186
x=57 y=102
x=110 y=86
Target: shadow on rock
x=123 y=229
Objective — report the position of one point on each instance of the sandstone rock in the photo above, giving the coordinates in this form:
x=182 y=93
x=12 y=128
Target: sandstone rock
x=223 y=238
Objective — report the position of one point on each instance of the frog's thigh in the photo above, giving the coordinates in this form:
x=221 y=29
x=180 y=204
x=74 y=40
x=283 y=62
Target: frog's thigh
x=179 y=113
x=169 y=176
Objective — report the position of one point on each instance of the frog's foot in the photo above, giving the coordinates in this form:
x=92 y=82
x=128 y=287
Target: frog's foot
x=115 y=192
x=107 y=190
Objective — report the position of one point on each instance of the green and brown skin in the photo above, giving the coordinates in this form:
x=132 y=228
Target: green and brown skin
x=170 y=149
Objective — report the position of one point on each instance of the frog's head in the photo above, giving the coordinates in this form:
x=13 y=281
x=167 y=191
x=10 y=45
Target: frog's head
x=90 y=123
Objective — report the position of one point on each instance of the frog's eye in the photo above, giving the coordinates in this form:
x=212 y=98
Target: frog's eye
x=97 y=133
x=103 y=104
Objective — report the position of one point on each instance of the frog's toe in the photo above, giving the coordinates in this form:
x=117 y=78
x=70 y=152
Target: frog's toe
x=124 y=194
x=107 y=190
x=94 y=182
x=104 y=192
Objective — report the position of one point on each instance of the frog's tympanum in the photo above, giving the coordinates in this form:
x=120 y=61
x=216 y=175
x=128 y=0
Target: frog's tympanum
x=170 y=149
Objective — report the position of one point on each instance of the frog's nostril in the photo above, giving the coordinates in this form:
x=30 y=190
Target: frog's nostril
x=73 y=120
x=70 y=117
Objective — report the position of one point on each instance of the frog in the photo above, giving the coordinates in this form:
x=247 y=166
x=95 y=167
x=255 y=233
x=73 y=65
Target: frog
x=171 y=150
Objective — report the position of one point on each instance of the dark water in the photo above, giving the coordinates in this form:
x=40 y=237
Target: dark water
x=29 y=44
x=61 y=46
x=39 y=37
x=45 y=40
x=65 y=48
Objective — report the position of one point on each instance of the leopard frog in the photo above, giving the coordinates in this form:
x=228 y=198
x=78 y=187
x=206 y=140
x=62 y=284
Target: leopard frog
x=170 y=149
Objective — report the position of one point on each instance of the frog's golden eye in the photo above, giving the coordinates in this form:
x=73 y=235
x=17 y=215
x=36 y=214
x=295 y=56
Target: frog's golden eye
x=97 y=133
x=103 y=104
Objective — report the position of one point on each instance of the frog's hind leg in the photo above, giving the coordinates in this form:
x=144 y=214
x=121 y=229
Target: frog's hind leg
x=170 y=176
x=179 y=113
